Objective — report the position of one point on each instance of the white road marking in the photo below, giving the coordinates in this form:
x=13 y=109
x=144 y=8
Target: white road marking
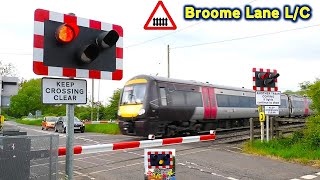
x=318 y=173
x=201 y=169
x=85 y=139
x=81 y=174
x=231 y=151
x=41 y=131
x=133 y=153
x=231 y=178
x=119 y=167
x=60 y=135
x=194 y=152
x=87 y=162
x=294 y=179
x=236 y=147
x=308 y=177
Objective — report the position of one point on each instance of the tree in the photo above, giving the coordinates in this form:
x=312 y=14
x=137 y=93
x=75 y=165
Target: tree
x=27 y=100
x=112 y=109
x=313 y=91
x=7 y=69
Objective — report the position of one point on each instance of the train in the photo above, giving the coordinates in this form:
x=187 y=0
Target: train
x=165 y=107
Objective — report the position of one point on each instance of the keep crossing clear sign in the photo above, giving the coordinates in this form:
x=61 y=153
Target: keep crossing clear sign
x=64 y=91
x=271 y=98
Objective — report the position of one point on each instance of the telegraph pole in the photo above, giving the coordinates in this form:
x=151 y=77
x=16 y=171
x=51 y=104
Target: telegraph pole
x=168 y=61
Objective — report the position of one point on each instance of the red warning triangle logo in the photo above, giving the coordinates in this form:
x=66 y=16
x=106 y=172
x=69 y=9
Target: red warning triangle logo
x=160 y=19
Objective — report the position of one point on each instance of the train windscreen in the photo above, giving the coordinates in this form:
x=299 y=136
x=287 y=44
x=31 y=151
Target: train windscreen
x=133 y=94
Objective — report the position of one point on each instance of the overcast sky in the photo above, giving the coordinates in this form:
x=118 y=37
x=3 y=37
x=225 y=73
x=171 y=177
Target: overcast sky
x=295 y=54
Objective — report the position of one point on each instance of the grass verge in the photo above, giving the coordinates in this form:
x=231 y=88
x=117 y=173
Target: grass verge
x=285 y=149
x=103 y=128
x=36 y=122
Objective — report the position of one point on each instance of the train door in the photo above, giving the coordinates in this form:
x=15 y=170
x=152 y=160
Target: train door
x=209 y=103
x=306 y=107
x=163 y=101
x=290 y=105
x=206 y=103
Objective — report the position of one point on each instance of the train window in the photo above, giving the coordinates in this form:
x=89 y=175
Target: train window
x=193 y=98
x=253 y=102
x=163 y=96
x=234 y=101
x=283 y=103
x=133 y=94
x=298 y=104
x=222 y=100
x=244 y=101
x=178 y=98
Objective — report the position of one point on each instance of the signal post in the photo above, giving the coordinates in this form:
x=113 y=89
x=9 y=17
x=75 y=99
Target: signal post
x=268 y=98
x=74 y=47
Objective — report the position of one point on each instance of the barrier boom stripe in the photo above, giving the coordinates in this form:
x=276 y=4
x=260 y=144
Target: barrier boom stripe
x=136 y=144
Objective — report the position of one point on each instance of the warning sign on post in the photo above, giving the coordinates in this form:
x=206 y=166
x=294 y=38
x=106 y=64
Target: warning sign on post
x=160 y=19
x=271 y=110
x=64 y=91
x=272 y=98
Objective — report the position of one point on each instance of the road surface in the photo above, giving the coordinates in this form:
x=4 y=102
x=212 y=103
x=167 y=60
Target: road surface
x=202 y=160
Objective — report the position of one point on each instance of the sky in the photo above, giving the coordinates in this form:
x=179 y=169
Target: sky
x=220 y=60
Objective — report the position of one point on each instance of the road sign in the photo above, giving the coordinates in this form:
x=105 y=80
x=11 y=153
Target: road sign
x=262 y=117
x=271 y=110
x=159 y=164
x=161 y=19
x=64 y=91
x=265 y=79
x=272 y=98
x=70 y=46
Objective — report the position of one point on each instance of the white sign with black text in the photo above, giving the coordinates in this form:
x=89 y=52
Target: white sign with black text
x=271 y=98
x=271 y=110
x=64 y=91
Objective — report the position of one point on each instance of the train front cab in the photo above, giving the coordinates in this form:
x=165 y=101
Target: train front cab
x=131 y=105
x=134 y=112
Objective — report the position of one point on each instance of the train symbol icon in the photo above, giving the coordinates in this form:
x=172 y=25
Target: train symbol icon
x=160 y=19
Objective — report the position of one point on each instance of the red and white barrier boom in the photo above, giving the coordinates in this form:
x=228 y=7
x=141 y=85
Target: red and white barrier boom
x=137 y=144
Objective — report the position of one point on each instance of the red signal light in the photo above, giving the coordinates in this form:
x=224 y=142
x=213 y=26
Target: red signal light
x=66 y=33
x=263 y=75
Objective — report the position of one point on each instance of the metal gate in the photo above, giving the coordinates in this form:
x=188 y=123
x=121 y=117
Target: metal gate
x=29 y=157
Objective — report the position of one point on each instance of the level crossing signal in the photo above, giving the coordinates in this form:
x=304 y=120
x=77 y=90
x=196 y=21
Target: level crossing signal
x=265 y=79
x=160 y=160
x=70 y=46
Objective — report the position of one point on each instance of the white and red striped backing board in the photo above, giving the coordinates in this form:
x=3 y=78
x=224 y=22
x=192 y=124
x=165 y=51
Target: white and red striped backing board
x=41 y=15
x=254 y=70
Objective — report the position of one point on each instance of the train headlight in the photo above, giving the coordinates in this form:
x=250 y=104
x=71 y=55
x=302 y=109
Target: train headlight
x=142 y=111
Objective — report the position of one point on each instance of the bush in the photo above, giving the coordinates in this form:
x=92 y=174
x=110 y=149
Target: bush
x=312 y=132
x=297 y=137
